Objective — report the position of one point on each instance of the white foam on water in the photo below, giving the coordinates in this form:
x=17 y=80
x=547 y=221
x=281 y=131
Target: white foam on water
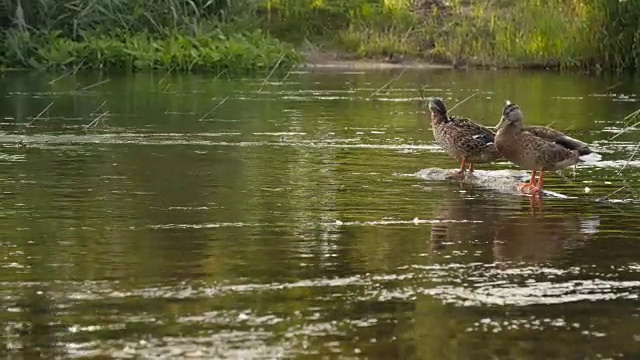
x=618 y=164
x=382 y=222
x=591 y=158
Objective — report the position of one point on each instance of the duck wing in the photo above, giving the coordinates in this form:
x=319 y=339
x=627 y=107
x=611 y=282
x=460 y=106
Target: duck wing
x=474 y=130
x=547 y=153
x=558 y=138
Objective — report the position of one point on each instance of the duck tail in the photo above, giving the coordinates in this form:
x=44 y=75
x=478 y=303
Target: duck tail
x=573 y=144
x=590 y=157
x=584 y=151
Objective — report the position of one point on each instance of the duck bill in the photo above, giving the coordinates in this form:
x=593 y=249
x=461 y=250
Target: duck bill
x=503 y=122
x=435 y=112
x=433 y=109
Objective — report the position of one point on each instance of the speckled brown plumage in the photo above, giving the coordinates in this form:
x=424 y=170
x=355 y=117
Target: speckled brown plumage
x=535 y=147
x=462 y=138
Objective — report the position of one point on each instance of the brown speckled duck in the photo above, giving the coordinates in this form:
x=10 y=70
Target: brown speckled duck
x=537 y=148
x=462 y=138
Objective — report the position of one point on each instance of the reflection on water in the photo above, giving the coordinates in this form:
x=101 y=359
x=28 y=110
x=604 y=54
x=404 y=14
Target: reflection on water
x=538 y=239
x=309 y=219
x=515 y=235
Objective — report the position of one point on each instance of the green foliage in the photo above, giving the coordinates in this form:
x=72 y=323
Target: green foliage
x=72 y=17
x=531 y=33
x=191 y=35
x=180 y=35
x=546 y=33
x=381 y=29
x=297 y=20
x=550 y=33
x=214 y=51
x=618 y=46
x=580 y=34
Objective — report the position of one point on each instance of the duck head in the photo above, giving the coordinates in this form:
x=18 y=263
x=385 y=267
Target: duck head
x=511 y=115
x=438 y=110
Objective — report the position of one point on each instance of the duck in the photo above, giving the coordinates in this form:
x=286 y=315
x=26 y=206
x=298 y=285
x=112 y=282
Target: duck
x=538 y=148
x=461 y=138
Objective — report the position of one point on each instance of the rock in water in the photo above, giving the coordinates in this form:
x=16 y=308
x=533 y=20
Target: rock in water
x=504 y=181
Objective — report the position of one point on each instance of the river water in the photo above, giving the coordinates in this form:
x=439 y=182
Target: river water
x=296 y=218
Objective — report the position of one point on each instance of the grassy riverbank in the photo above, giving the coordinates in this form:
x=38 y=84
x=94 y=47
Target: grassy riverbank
x=259 y=35
x=131 y=35
x=558 y=34
x=214 y=51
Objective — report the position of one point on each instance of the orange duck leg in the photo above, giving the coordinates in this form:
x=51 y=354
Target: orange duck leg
x=529 y=188
x=460 y=173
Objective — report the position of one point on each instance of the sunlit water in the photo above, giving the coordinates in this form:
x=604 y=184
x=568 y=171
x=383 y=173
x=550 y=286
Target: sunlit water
x=309 y=217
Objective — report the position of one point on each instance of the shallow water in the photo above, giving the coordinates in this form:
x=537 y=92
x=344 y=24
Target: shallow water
x=308 y=217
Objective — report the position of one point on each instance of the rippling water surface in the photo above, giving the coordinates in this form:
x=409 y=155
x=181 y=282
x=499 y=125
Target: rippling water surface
x=308 y=217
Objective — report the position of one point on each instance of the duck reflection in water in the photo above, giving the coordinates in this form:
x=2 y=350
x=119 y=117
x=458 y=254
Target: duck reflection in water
x=535 y=202
x=534 y=239
x=497 y=227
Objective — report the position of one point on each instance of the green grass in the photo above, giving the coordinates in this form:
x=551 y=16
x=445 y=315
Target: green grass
x=377 y=29
x=551 y=33
x=558 y=34
x=214 y=51
x=132 y=35
x=252 y=35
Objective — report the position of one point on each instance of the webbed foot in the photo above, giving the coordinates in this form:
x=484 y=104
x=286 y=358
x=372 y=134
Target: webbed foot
x=529 y=189
x=456 y=175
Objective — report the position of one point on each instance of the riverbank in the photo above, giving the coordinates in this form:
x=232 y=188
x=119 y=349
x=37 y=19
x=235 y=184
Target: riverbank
x=267 y=36
x=334 y=60
x=217 y=51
